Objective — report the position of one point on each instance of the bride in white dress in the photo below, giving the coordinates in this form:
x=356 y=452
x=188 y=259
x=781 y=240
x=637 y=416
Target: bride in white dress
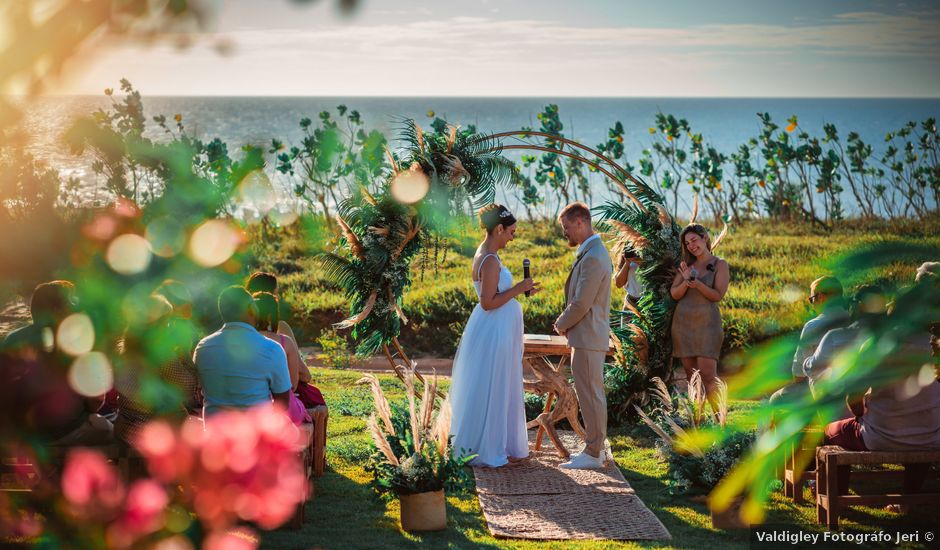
x=486 y=389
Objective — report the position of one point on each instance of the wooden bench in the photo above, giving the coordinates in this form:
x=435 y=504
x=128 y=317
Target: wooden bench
x=829 y=503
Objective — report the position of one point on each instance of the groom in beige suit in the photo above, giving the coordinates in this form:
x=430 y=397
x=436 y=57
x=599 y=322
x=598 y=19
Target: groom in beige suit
x=586 y=323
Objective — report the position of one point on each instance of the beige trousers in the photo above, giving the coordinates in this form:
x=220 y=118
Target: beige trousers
x=587 y=366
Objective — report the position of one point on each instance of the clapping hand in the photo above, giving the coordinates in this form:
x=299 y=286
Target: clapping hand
x=686 y=273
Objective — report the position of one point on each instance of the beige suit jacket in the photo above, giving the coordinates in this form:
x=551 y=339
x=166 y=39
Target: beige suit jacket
x=586 y=318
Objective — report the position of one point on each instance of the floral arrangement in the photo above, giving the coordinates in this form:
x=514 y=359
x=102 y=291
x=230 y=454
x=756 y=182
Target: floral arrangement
x=412 y=447
x=692 y=439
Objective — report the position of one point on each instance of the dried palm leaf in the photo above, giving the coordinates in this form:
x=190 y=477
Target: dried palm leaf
x=633 y=238
x=406 y=238
x=618 y=347
x=427 y=404
x=419 y=135
x=451 y=138
x=382 y=407
x=720 y=237
x=409 y=380
x=664 y=217
x=721 y=396
x=359 y=317
x=381 y=231
x=661 y=392
x=391 y=160
x=454 y=171
x=653 y=426
x=379 y=439
x=396 y=307
x=441 y=429
x=641 y=347
x=632 y=309
x=697 y=397
x=694 y=215
x=354 y=245
x=682 y=438
x=367 y=196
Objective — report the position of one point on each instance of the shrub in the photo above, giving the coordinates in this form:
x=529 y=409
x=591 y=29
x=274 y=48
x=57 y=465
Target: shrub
x=335 y=352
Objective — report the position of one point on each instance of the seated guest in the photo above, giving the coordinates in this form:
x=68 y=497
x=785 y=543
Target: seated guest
x=262 y=281
x=825 y=296
x=36 y=390
x=266 y=323
x=148 y=387
x=868 y=304
x=900 y=415
x=238 y=367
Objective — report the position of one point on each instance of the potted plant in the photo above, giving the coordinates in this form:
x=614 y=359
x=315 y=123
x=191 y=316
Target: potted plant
x=413 y=459
x=698 y=447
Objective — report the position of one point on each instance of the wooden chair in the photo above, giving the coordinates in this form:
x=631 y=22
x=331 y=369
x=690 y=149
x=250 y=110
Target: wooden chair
x=306 y=457
x=320 y=416
x=829 y=503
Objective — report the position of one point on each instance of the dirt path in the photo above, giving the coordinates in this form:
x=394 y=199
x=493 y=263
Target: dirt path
x=426 y=365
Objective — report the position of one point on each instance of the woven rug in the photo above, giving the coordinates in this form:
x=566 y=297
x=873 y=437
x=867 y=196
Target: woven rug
x=536 y=499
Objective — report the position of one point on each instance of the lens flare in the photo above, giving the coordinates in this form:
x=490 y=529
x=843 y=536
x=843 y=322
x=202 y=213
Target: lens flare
x=91 y=374
x=255 y=192
x=213 y=243
x=129 y=254
x=283 y=218
x=166 y=237
x=410 y=187
x=76 y=334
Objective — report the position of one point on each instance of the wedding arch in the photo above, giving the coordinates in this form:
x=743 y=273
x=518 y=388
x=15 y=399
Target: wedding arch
x=432 y=178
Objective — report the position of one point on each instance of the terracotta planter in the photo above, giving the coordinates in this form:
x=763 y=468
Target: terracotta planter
x=423 y=511
x=730 y=518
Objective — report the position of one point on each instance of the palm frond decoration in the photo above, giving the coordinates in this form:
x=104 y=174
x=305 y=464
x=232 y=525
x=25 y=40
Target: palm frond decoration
x=381 y=236
x=644 y=330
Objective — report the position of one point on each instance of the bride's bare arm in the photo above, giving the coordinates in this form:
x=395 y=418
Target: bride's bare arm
x=490 y=297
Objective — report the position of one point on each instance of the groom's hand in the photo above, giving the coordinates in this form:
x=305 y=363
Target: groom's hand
x=558 y=330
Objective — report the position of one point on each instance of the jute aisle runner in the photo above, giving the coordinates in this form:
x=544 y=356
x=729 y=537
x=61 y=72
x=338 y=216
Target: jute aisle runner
x=538 y=500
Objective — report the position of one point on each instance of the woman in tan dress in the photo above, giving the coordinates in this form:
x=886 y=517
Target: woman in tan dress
x=699 y=285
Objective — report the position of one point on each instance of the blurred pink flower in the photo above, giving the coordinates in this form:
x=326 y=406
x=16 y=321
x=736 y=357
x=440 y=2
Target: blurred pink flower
x=243 y=466
x=143 y=510
x=90 y=484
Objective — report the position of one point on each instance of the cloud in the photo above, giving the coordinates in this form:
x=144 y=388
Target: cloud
x=489 y=56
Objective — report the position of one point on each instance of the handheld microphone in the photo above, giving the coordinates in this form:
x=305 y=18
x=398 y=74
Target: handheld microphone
x=693 y=273
x=525 y=272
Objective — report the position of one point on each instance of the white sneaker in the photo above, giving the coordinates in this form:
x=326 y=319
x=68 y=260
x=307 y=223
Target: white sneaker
x=584 y=461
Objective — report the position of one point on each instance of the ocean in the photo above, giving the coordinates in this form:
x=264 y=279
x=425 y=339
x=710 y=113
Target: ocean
x=725 y=123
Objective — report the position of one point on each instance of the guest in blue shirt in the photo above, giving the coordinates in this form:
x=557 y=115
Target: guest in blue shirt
x=239 y=367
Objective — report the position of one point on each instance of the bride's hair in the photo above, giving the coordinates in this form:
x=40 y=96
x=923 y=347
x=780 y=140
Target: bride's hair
x=492 y=215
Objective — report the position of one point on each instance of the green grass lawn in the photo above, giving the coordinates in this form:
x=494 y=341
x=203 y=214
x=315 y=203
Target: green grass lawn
x=771 y=265
x=344 y=513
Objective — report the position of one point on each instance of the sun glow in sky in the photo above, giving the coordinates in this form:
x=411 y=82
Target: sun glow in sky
x=734 y=48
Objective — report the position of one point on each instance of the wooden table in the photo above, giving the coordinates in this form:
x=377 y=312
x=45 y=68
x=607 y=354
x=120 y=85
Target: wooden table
x=561 y=401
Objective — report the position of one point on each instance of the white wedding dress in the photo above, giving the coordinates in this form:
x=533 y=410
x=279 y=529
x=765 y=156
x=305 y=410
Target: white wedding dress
x=486 y=388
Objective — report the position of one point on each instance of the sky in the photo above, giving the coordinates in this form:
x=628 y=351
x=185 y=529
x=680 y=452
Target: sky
x=544 y=48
